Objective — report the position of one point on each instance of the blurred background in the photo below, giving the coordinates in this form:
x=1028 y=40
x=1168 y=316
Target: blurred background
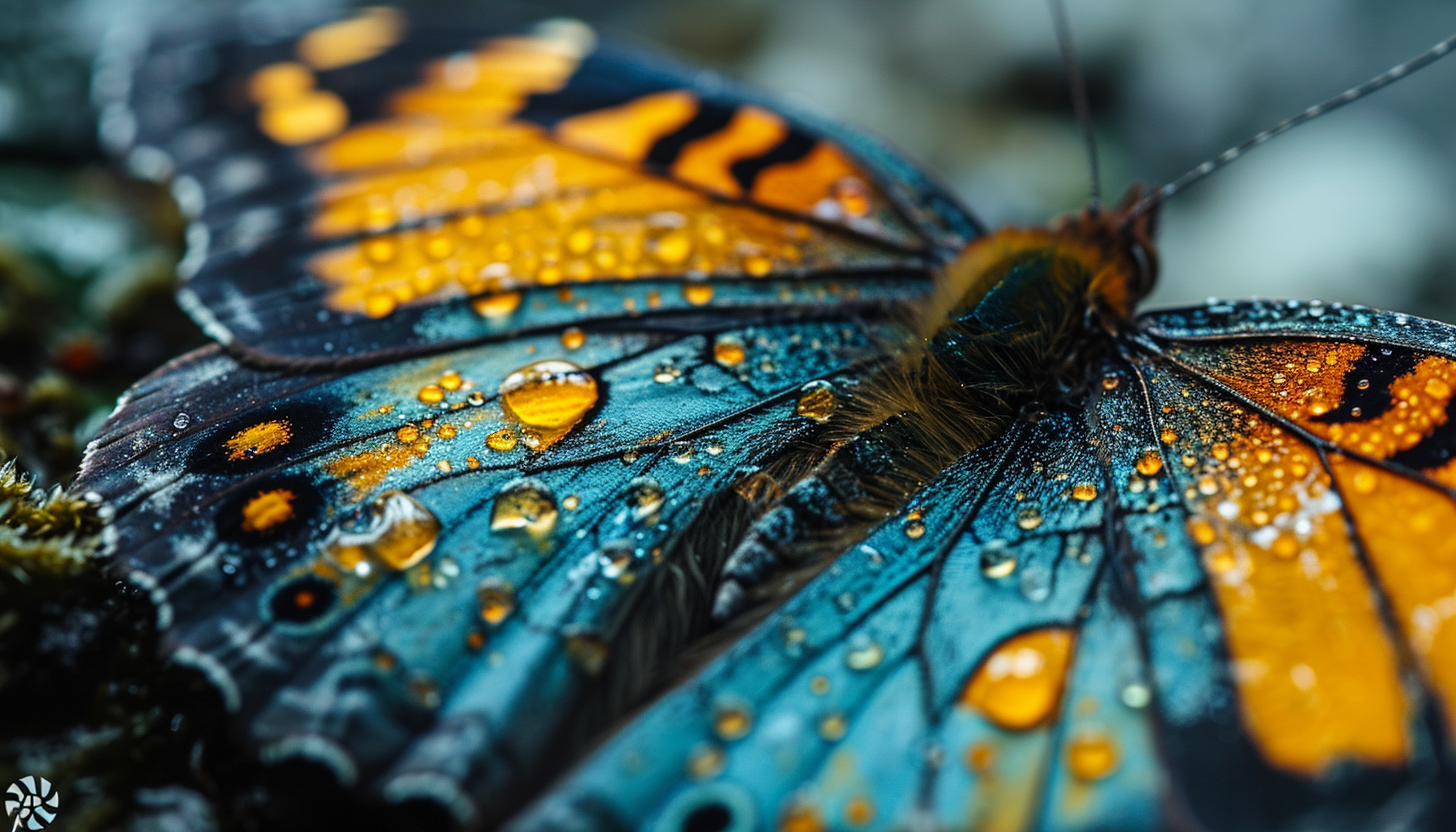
x=1356 y=207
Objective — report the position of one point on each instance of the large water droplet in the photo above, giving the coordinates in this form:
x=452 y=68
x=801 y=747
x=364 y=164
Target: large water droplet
x=551 y=395
x=524 y=506
x=398 y=532
x=817 y=401
x=1149 y=462
x=1019 y=685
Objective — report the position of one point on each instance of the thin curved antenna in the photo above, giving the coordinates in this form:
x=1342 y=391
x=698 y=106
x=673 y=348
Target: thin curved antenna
x=1080 y=105
x=1385 y=78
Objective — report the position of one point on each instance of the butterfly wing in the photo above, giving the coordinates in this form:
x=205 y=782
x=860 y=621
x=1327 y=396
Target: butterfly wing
x=1102 y=623
x=452 y=186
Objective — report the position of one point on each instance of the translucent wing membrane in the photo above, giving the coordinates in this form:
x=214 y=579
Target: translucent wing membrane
x=1210 y=600
x=411 y=574
x=446 y=187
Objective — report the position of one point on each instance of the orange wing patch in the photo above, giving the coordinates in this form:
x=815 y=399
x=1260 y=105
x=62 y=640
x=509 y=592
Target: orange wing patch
x=628 y=132
x=1307 y=642
x=752 y=132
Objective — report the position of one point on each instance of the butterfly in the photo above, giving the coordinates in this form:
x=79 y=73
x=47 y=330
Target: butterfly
x=593 y=443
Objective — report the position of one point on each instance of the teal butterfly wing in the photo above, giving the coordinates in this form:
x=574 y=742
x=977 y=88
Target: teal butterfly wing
x=1161 y=609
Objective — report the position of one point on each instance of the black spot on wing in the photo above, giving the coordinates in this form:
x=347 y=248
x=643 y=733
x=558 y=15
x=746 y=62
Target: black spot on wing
x=709 y=119
x=794 y=147
x=1377 y=368
x=609 y=77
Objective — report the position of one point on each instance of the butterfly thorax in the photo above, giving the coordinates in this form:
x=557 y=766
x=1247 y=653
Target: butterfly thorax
x=1033 y=301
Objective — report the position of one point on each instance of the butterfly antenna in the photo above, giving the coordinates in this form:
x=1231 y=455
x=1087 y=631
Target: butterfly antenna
x=1386 y=78
x=1080 y=105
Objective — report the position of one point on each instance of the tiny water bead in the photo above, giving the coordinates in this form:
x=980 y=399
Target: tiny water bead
x=553 y=395
x=497 y=599
x=573 y=338
x=181 y=421
x=997 y=560
x=732 y=720
x=1028 y=518
x=864 y=653
x=524 y=506
x=645 y=498
x=729 y=351
x=1084 y=491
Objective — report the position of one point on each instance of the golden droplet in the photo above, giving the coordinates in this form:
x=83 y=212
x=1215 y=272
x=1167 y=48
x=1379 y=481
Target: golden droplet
x=1019 y=685
x=758 y=265
x=571 y=503
x=267 y=509
x=859 y=811
x=497 y=599
x=408 y=434
x=451 y=380
x=552 y=395
x=573 y=338
x=833 y=726
x=276 y=82
x=496 y=306
x=673 y=248
x=645 y=498
x=1084 y=491
x=379 y=304
x=915 y=528
x=353 y=39
x=706 y=761
x=1028 y=518
x=526 y=506
x=1220 y=451
x=817 y=401
x=431 y=394
x=697 y=293
x=1092 y=755
x=1110 y=382
x=400 y=533
x=501 y=440
x=259 y=439
x=729 y=351
x=1201 y=531
x=314 y=115
x=1149 y=462
x=446 y=432
x=980 y=757
x=1169 y=436
x=732 y=721
x=1365 y=481
x=1438 y=388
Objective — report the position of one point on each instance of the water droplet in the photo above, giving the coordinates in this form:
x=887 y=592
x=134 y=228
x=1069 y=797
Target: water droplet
x=729 y=351
x=1092 y=755
x=914 y=528
x=1149 y=462
x=864 y=653
x=571 y=503
x=182 y=421
x=1363 y=384
x=551 y=395
x=431 y=394
x=496 y=306
x=1019 y=684
x=665 y=374
x=1028 y=518
x=817 y=401
x=732 y=720
x=1110 y=382
x=706 y=761
x=588 y=651
x=1438 y=388
x=451 y=380
x=398 y=531
x=1084 y=491
x=997 y=560
x=698 y=294
x=501 y=440
x=527 y=506
x=1036 y=583
x=573 y=338
x=497 y=599
x=644 y=498
x=714 y=448
x=476 y=399
x=1136 y=695
x=1169 y=436
x=833 y=726
x=682 y=452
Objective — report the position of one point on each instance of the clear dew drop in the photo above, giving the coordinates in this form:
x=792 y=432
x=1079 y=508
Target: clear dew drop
x=1036 y=583
x=397 y=532
x=997 y=560
x=864 y=653
x=1136 y=695
x=644 y=498
x=524 y=506
x=617 y=561
x=181 y=421
x=552 y=395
